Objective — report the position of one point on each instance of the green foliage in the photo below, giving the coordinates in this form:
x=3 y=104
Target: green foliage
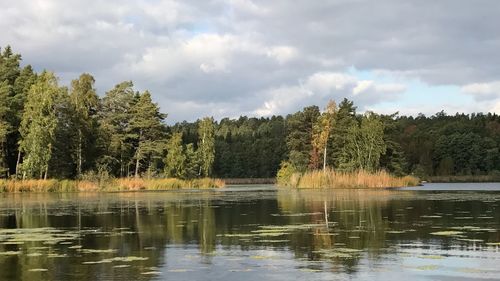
x=364 y=146
x=39 y=124
x=84 y=105
x=285 y=173
x=146 y=130
x=206 y=145
x=70 y=133
x=114 y=120
x=176 y=159
x=299 y=137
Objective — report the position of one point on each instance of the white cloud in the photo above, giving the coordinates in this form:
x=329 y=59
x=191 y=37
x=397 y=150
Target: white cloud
x=483 y=91
x=250 y=55
x=282 y=54
x=323 y=86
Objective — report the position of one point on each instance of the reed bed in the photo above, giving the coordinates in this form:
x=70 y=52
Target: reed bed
x=126 y=184
x=359 y=179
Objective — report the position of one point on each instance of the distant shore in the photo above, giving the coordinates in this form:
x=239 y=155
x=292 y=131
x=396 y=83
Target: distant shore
x=463 y=179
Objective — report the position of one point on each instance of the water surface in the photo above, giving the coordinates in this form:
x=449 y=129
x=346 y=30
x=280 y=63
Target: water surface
x=435 y=232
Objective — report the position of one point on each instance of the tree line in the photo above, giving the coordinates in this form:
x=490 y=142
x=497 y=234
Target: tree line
x=49 y=130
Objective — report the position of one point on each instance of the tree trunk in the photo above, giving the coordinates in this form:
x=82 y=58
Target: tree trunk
x=324 y=159
x=17 y=163
x=137 y=167
x=79 y=155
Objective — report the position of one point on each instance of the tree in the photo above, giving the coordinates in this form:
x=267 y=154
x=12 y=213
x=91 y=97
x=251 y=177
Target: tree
x=365 y=144
x=206 y=145
x=84 y=102
x=146 y=128
x=322 y=130
x=114 y=120
x=38 y=125
x=345 y=120
x=175 y=160
x=299 y=137
x=4 y=128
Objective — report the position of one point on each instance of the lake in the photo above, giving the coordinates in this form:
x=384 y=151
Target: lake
x=434 y=232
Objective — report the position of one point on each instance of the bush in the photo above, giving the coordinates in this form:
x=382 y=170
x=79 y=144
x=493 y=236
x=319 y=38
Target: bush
x=287 y=174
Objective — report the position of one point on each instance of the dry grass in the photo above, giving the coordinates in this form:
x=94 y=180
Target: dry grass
x=126 y=184
x=360 y=179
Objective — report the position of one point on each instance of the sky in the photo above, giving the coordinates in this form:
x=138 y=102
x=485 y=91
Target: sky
x=226 y=58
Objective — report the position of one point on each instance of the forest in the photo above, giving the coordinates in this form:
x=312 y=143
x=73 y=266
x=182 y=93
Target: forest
x=48 y=130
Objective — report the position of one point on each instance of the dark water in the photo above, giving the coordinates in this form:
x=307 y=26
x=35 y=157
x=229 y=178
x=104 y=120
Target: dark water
x=253 y=233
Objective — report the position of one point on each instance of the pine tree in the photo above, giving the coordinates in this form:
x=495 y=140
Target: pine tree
x=146 y=129
x=114 y=120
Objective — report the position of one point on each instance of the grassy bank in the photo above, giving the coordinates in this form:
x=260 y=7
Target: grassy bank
x=126 y=184
x=333 y=179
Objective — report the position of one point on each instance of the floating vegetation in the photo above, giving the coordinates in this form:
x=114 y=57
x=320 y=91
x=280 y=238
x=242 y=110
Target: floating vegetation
x=427 y=267
x=297 y=214
x=57 y=255
x=343 y=253
x=118 y=259
x=432 y=257
x=10 y=253
x=310 y=270
x=151 y=273
x=447 y=233
x=98 y=251
x=431 y=217
x=470 y=240
x=47 y=235
x=38 y=270
x=178 y=270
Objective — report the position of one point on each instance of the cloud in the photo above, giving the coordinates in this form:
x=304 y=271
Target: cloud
x=483 y=91
x=251 y=56
x=323 y=86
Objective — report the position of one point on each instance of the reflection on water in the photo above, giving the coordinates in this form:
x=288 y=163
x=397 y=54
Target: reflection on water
x=246 y=234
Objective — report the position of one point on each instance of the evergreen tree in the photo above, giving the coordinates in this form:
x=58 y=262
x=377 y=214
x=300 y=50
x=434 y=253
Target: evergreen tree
x=146 y=129
x=114 y=120
x=299 y=137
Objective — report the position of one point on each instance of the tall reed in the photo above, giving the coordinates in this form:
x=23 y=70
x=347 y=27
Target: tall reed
x=125 y=184
x=360 y=179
